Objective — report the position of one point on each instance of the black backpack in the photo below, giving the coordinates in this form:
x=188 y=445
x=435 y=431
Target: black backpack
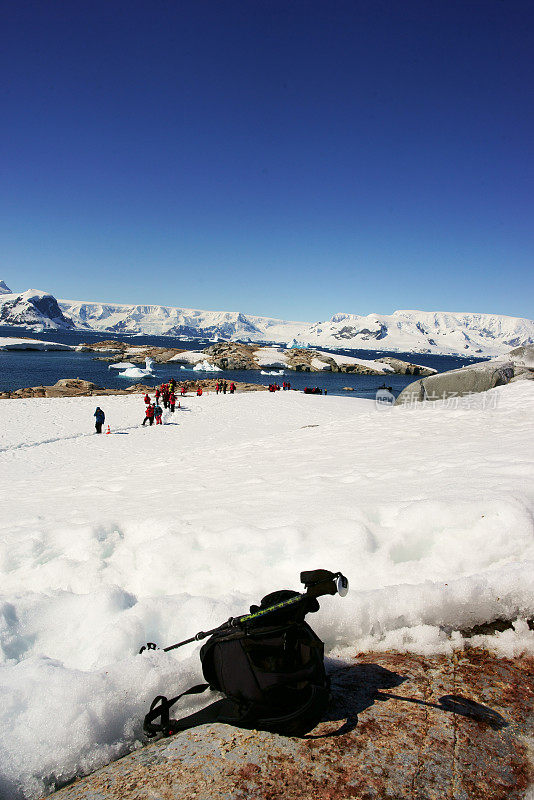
x=272 y=676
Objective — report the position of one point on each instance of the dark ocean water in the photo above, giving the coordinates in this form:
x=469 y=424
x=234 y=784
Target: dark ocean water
x=35 y=368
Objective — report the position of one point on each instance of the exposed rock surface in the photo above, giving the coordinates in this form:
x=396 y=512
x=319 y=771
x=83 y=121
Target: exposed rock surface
x=238 y=356
x=115 y=351
x=479 y=377
x=406 y=368
x=400 y=726
x=69 y=387
x=306 y=360
x=76 y=387
x=458 y=382
x=231 y=355
x=523 y=357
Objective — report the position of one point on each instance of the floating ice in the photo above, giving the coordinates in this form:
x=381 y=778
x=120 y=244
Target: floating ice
x=137 y=372
x=205 y=366
x=123 y=365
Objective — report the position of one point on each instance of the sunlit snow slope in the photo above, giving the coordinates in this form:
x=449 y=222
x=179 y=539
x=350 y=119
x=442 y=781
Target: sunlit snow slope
x=466 y=334
x=402 y=331
x=152 y=534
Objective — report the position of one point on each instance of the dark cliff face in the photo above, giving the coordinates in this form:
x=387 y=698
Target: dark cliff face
x=34 y=311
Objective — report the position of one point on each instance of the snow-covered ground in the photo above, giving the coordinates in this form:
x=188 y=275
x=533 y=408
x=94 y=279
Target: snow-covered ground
x=155 y=533
x=271 y=357
x=13 y=343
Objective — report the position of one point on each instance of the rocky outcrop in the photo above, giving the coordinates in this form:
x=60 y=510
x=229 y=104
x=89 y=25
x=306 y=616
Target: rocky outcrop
x=76 y=387
x=231 y=355
x=518 y=365
x=306 y=360
x=458 y=382
x=107 y=346
x=400 y=726
x=240 y=356
x=115 y=351
x=67 y=387
x=406 y=368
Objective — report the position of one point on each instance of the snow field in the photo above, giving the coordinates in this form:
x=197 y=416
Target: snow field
x=152 y=534
x=12 y=343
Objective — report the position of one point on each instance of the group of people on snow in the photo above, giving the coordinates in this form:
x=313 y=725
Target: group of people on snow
x=275 y=387
x=165 y=394
x=221 y=387
x=153 y=411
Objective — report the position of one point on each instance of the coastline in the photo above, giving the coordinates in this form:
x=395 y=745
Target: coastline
x=77 y=387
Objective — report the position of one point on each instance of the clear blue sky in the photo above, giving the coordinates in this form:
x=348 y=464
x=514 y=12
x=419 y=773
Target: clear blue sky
x=289 y=158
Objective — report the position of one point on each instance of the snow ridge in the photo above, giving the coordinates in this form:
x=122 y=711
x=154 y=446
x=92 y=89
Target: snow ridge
x=440 y=332
x=33 y=308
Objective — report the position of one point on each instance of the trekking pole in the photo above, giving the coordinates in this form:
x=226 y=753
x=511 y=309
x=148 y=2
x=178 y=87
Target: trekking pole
x=318 y=583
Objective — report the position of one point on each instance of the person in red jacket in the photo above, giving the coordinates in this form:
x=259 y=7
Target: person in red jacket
x=172 y=401
x=199 y=391
x=232 y=387
x=158 y=393
x=182 y=391
x=147 y=399
x=149 y=414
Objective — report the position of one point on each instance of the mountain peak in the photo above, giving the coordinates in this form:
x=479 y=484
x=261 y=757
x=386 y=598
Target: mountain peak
x=4 y=288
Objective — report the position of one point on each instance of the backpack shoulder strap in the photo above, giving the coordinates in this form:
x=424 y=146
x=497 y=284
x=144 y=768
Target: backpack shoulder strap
x=160 y=707
x=225 y=710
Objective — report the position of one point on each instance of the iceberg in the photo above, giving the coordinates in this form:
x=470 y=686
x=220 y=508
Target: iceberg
x=137 y=372
x=123 y=365
x=205 y=366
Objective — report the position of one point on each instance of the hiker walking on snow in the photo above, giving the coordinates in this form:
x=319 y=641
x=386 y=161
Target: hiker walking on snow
x=165 y=396
x=99 y=419
x=232 y=387
x=149 y=414
x=158 y=411
x=147 y=399
x=172 y=401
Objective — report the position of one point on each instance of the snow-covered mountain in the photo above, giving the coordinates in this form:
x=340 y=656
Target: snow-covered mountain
x=32 y=308
x=174 y=321
x=4 y=288
x=402 y=331
x=424 y=331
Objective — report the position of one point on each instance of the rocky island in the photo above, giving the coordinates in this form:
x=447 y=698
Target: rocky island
x=241 y=356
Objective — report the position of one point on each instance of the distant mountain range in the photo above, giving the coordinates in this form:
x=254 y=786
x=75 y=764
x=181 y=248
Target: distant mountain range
x=403 y=331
